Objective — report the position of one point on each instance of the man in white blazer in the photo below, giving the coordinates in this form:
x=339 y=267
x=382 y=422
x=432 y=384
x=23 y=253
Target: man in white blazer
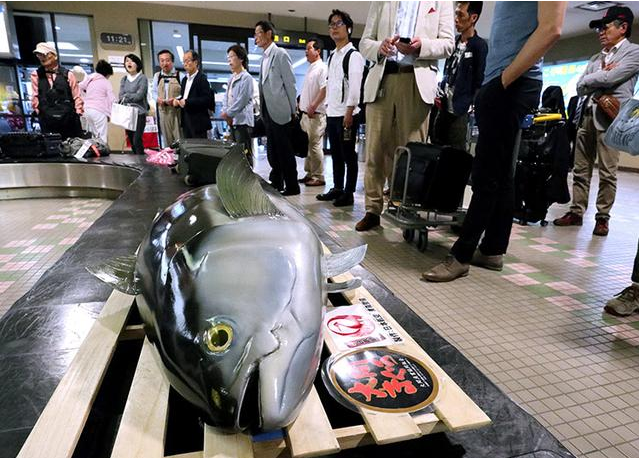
x=278 y=108
x=404 y=40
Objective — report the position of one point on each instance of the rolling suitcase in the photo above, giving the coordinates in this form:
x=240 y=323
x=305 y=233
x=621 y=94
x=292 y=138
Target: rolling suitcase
x=198 y=159
x=28 y=145
x=434 y=179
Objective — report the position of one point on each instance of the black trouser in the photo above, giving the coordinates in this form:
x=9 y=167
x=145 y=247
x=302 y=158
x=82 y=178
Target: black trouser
x=635 y=270
x=242 y=134
x=499 y=113
x=279 y=153
x=135 y=137
x=189 y=132
x=343 y=152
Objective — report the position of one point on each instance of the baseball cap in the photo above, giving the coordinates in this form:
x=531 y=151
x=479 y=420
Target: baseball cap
x=45 y=48
x=622 y=13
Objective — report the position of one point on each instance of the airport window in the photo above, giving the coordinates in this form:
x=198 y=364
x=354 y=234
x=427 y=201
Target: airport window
x=173 y=36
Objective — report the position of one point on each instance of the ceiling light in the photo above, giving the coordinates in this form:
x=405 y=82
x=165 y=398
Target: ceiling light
x=596 y=6
x=177 y=34
x=57 y=27
x=254 y=56
x=64 y=46
x=180 y=52
x=300 y=62
x=84 y=61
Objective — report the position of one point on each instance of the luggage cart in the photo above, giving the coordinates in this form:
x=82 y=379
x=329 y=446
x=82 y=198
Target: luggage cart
x=413 y=217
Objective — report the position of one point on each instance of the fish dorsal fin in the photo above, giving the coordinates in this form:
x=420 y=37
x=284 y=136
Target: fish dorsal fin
x=240 y=189
x=118 y=272
x=353 y=283
x=339 y=263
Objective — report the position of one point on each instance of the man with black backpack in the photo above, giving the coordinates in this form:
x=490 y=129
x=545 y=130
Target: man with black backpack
x=55 y=95
x=345 y=71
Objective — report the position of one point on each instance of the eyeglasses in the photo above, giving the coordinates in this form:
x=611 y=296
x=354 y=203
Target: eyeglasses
x=335 y=25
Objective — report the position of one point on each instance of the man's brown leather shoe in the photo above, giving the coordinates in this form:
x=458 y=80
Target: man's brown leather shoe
x=448 y=270
x=601 y=227
x=304 y=180
x=569 y=219
x=368 y=222
x=315 y=182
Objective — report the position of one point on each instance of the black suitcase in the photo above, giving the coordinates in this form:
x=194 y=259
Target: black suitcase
x=437 y=177
x=29 y=145
x=198 y=159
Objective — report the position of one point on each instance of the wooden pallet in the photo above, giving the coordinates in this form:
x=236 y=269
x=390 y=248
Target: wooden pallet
x=143 y=426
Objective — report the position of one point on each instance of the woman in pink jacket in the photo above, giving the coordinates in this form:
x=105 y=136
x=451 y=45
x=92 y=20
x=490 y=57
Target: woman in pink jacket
x=98 y=98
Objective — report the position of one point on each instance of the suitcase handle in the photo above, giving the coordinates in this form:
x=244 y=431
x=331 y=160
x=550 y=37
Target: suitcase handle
x=398 y=153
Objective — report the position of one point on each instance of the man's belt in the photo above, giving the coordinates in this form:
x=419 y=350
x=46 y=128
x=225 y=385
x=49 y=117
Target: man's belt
x=393 y=67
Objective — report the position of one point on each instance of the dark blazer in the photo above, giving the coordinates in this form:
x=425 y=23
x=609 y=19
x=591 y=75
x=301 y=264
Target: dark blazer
x=470 y=73
x=195 y=113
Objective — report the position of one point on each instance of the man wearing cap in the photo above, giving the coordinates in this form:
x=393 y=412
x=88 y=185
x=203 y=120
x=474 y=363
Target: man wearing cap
x=55 y=94
x=614 y=72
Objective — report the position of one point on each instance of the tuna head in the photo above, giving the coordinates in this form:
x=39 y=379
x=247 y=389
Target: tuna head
x=244 y=323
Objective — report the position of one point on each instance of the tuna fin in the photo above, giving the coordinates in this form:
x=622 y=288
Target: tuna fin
x=118 y=272
x=353 y=283
x=240 y=189
x=340 y=263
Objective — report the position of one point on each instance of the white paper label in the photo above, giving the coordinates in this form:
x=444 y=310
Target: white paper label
x=85 y=147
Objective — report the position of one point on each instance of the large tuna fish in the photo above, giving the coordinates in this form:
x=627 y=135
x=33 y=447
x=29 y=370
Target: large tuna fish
x=231 y=283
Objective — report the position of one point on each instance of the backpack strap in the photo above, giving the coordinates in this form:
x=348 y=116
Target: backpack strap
x=345 y=67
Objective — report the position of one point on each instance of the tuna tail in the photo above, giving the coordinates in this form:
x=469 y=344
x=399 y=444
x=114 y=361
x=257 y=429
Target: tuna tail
x=353 y=283
x=340 y=263
x=118 y=272
x=240 y=189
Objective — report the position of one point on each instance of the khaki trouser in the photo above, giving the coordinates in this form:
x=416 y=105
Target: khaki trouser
x=315 y=128
x=396 y=118
x=588 y=147
x=169 y=124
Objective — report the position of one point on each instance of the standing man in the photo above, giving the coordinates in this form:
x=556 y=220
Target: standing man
x=314 y=114
x=463 y=75
x=613 y=71
x=626 y=302
x=522 y=32
x=405 y=40
x=277 y=105
x=345 y=70
x=55 y=95
x=196 y=98
x=166 y=87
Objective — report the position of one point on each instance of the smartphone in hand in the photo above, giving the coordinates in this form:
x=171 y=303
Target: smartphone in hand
x=404 y=40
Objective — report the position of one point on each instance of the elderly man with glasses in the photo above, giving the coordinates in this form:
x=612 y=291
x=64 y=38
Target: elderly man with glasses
x=614 y=72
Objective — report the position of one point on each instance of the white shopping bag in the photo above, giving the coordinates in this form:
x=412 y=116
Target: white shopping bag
x=124 y=116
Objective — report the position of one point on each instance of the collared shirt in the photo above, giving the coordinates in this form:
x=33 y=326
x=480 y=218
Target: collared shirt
x=314 y=81
x=334 y=105
x=266 y=60
x=73 y=84
x=405 y=28
x=606 y=56
x=156 y=83
x=189 y=83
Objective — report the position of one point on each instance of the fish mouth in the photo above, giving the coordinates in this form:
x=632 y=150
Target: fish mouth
x=248 y=416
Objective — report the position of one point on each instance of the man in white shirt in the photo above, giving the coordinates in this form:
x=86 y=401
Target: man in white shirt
x=345 y=70
x=405 y=39
x=614 y=72
x=313 y=111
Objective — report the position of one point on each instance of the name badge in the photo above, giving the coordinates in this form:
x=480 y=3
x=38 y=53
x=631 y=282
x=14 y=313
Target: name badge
x=468 y=54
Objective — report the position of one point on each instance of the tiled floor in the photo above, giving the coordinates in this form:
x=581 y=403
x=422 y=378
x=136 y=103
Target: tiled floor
x=536 y=329
x=34 y=233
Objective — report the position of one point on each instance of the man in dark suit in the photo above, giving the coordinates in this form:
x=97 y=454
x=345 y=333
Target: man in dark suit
x=196 y=98
x=463 y=76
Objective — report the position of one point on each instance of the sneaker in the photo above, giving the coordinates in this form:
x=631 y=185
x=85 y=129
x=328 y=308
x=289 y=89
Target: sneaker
x=448 y=270
x=315 y=182
x=330 y=195
x=368 y=222
x=625 y=303
x=344 y=200
x=494 y=262
x=569 y=219
x=601 y=227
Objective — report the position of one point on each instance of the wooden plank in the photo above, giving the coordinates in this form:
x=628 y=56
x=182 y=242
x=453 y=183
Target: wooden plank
x=143 y=426
x=219 y=444
x=133 y=332
x=311 y=433
x=58 y=429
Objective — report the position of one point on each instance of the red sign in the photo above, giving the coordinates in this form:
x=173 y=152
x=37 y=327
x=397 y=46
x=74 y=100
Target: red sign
x=351 y=325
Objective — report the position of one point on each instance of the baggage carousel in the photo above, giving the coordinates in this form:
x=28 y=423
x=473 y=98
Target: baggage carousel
x=42 y=331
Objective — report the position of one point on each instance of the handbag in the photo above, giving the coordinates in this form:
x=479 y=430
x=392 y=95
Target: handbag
x=124 y=116
x=623 y=133
x=609 y=104
x=299 y=138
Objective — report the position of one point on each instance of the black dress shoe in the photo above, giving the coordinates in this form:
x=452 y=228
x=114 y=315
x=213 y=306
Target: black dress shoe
x=344 y=200
x=280 y=187
x=291 y=191
x=330 y=195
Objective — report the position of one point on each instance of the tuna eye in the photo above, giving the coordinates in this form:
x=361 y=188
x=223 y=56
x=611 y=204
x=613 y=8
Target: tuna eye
x=218 y=337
